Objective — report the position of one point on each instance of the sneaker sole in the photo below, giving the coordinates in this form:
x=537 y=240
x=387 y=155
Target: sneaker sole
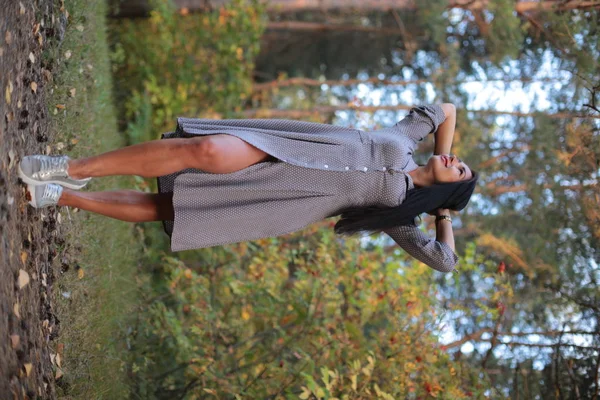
x=32 y=202
x=34 y=182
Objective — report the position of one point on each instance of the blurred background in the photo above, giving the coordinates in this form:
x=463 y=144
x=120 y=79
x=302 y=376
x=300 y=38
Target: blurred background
x=315 y=316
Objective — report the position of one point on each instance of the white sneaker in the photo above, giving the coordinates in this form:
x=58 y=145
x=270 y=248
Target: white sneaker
x=44 y=195
x=41 y=170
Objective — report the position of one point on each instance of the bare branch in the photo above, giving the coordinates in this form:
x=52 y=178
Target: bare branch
x=387 y=82
x=596 y=378
x=569 y=364
x=328 y=109
x=493 y=342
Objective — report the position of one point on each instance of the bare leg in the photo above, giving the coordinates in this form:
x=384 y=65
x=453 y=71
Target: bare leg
x=125 y=205
x=214 y=153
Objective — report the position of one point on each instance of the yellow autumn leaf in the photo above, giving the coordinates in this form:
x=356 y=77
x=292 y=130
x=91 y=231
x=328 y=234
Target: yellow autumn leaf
x=33 y=87
x=305 y=393
x=28 y=368
x=80 y=273
x=245 y=314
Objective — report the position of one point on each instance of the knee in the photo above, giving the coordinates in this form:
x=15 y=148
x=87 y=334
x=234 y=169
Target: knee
x=204 y=149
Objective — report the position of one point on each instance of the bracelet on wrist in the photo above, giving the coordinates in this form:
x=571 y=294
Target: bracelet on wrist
x=443 y=218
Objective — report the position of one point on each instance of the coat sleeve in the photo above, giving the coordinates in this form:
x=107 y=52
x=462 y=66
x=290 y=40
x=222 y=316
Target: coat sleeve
x=437 y=255
x=421 y=121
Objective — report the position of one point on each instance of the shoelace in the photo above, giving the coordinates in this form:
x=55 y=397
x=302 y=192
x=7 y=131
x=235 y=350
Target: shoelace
x=52 y=193
x=52 y=166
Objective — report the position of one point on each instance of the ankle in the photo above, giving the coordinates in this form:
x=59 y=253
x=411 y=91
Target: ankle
x=74 y=170
x=65 y=197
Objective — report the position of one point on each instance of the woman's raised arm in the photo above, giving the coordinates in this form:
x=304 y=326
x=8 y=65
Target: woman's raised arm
x=445 y=133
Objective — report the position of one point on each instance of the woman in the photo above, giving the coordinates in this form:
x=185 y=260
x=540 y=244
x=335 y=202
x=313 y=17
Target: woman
x=225 y=181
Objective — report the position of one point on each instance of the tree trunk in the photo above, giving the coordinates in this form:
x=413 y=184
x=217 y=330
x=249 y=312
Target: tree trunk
x=320 y=110
x=140 y=8
x=556 y=5
x=325 y=27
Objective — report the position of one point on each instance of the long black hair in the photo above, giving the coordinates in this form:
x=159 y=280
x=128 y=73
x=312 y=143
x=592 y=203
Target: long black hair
x=454 y=196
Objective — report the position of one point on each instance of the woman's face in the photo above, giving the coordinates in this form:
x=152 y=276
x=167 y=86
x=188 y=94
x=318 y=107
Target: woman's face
x=447 y=168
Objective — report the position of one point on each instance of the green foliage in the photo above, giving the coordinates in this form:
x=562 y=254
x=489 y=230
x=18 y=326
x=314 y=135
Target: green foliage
x=505 y=35
x=309 y=315
x=199 y=64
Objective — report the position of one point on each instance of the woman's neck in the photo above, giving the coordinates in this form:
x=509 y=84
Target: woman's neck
x=421 y=177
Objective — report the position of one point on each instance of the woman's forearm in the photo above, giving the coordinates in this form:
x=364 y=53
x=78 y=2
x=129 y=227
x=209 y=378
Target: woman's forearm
x=445 y=132
x=443 y=229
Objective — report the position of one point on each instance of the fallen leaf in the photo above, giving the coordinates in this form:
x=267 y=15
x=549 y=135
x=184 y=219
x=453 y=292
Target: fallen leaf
x=10 y=116
x=7 y=94
x=58 y=360
x=23 y=279
x=68 y=54
x=45 y=324
x=47 y=75
x=80 y=273
x=60 y=348
x=61 y=106
x=28 y=368
x=34 y=87
x=60 y=146
x=53 y=358
x=40 y=39
x=21 y=8
x=31 y=58
x=36 y=28
x=184 y=11
x=79 y=28
x=19 y=104
x=16 y=310
x=24 y=256
x=12 y=158
x=15 y=340
x=59 y=374
x=74 y=141
x=72 y=92
x=8 y=37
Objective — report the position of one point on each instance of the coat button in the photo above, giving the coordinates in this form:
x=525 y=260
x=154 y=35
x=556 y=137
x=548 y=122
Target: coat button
x=384 y=169
x=347 y=168
x=326 y=166
x=365 y=169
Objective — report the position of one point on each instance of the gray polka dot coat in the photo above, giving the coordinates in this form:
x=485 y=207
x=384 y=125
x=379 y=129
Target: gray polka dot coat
x=319 y=171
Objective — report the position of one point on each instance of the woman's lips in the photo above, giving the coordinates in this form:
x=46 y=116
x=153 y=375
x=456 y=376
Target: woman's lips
x=445 y=160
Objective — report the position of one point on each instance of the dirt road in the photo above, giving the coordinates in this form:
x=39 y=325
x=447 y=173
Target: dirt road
x=30 y=240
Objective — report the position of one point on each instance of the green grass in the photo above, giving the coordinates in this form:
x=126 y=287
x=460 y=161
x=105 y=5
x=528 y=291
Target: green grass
x=94 y=317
